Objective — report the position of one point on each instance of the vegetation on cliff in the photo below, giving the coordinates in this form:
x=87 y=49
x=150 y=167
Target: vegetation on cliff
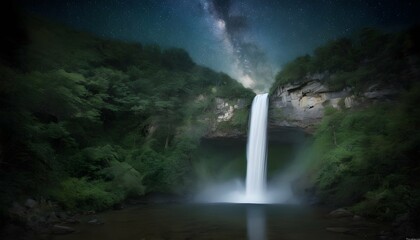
x=88 y=121
x=371 y=56
x=367 y=156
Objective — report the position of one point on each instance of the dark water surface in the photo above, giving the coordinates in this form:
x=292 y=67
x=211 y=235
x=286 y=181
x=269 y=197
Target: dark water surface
x=215 y=221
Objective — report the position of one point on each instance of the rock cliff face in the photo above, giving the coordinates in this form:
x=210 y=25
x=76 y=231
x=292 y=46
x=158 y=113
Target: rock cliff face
x=302 y=104
x=225 y=109
x=299 y=105
x=226 y=122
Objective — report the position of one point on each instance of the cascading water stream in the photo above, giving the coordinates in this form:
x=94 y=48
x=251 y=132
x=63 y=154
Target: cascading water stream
x=257 y=150
x=256 y=190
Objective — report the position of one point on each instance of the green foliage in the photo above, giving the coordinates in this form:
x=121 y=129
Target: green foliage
x=369 y=158
x=294 y=71
x=177 y=59
x=99 y=120
x=89 y=161
x=368 y=57
x=240 y=119
x=355 y=79
x=387 y=202
x=228 y=88
x=124 y=178
x=335 y=55
x=79 y=194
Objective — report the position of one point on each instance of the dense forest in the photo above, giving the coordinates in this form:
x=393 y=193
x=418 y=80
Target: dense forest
x=367 y=157
x=88 y=122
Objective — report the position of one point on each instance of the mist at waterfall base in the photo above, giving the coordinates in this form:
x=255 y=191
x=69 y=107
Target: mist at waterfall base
x=254 y=188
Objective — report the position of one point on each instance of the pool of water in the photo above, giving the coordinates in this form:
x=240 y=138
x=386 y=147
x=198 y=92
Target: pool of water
x=217 y=221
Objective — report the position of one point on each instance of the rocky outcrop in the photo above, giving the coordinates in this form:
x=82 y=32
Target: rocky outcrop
x=340 y=213
x=298 y=105
x=59 y=229
x=225 y=109
x=221 y=125
x=39 y=217
x=303 y=104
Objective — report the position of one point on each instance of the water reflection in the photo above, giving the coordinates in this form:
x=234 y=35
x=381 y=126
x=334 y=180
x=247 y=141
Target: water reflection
x=256 y=222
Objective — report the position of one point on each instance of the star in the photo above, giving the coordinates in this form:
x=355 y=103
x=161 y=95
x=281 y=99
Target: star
x=244 y=36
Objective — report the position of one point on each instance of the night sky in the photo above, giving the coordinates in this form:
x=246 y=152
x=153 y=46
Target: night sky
x=249 y=39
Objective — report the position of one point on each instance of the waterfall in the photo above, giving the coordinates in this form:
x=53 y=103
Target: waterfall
x=255 y=190
x=257 y=150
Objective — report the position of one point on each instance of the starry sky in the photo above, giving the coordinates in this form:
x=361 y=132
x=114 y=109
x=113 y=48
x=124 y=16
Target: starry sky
x=248 y=39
